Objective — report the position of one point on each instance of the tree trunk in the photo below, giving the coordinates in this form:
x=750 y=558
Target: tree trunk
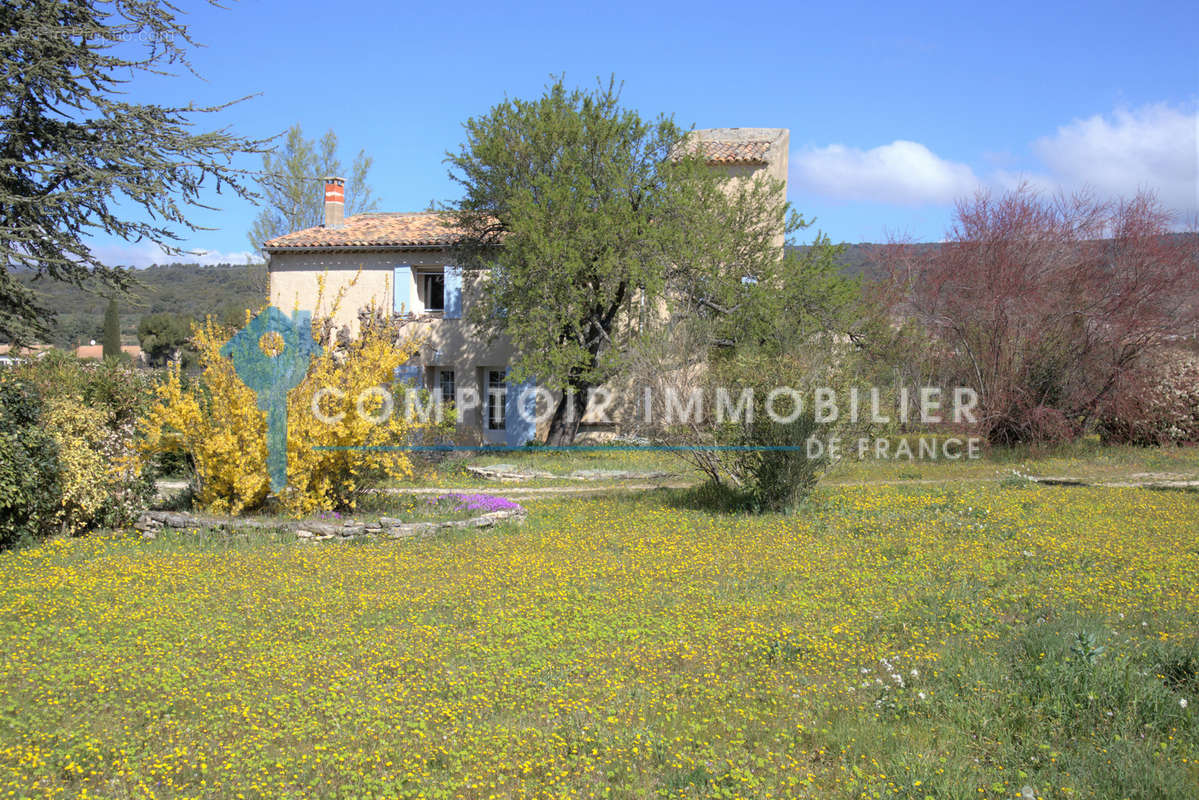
x=564 y=425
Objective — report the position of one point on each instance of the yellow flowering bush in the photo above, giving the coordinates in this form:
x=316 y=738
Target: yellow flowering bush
x=339 y=422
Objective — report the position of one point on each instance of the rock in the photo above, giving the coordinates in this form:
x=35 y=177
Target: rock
x=173 y=520
x=508 y=473
x=151 y=535
x=303 y=534
x=352 y=530
x=325 y=529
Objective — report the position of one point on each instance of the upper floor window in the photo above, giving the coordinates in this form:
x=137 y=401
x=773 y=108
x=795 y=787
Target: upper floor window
x=432 y=286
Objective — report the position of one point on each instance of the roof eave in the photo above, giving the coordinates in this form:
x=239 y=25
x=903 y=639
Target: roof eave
x=351 y=248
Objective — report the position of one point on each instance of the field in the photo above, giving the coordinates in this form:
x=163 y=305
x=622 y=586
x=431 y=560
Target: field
x=982 y=637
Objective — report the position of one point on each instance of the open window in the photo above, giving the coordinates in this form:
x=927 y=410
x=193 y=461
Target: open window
x=432 y=289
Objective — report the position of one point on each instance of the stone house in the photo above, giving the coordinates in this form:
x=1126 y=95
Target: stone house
x=401 y=262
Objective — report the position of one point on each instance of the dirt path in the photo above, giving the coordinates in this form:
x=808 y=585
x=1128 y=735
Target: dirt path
x=1135 y=480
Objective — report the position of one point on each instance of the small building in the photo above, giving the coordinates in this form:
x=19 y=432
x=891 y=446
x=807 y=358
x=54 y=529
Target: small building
x=12 y=357
x=96 y=351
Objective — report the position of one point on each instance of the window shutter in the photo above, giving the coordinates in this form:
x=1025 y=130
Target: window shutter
x=453 y=292
x=520 y=423
x=402 y=289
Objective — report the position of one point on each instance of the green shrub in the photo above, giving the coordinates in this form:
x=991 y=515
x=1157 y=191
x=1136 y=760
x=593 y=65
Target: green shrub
x=69 y=460
x=29 y=469
x=777 y=473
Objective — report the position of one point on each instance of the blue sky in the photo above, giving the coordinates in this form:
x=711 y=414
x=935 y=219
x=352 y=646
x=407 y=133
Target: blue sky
x=894 y=109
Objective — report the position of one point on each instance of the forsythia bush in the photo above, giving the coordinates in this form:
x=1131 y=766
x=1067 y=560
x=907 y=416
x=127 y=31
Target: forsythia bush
x=217 y=421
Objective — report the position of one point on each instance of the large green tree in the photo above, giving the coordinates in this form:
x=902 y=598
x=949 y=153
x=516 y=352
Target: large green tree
x=580 y=217
x=162 y=336
x=292 y=182
x=78 y=158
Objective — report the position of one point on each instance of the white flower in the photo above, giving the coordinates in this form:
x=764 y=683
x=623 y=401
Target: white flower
x=1183 y=702
x=923 y=695
x=915 y=673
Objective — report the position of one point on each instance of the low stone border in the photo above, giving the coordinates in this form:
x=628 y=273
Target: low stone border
x=1139 y=480
x=151 y=522
x=511 y=473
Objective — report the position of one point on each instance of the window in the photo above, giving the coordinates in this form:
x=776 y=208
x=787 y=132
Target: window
x=445 y=381
x=497 y=398
x=433 y=287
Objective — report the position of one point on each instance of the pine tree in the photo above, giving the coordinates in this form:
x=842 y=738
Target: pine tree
x=78 y=159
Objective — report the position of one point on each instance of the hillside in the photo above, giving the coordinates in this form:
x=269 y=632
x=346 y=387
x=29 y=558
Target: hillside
x=856 y=260
x=189 y=289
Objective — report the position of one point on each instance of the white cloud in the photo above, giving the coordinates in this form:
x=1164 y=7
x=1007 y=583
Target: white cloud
x=905 y=173
x=1153 y=147
x=146 y=254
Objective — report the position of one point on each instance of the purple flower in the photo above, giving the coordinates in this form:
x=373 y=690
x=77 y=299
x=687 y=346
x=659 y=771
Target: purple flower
x=479 y=502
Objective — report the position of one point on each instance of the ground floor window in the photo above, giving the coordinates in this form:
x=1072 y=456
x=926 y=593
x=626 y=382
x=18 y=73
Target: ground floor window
x=497 y=398
x=445 y=382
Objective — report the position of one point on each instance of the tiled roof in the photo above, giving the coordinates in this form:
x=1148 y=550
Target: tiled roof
x=426 y=229
x=716 y=151
x=96 y=351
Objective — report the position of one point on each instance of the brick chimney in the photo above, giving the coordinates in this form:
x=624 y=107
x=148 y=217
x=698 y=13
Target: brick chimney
x=335 y=202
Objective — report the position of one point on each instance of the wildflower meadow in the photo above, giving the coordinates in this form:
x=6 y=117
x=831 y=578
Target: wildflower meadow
x=990 y=640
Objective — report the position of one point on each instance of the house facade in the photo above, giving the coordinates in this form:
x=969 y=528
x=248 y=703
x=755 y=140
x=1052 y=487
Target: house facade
x=401 y=262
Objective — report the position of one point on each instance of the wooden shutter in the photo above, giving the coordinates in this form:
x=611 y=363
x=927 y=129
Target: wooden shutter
x=520 y=424
x=402 y=289
x=453 y=292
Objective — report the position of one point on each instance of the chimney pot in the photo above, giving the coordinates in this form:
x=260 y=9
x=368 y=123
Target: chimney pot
x=335 y=202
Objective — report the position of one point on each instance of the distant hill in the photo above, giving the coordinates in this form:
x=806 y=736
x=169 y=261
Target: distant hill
x=861 y=259
x=190 y=289
x=856 y=261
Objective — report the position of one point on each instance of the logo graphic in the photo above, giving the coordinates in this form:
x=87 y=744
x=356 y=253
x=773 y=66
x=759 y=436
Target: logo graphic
x=271 y=377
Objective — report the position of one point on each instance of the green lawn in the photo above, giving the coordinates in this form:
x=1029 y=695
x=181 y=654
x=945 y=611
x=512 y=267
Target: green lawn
x=933 y=640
